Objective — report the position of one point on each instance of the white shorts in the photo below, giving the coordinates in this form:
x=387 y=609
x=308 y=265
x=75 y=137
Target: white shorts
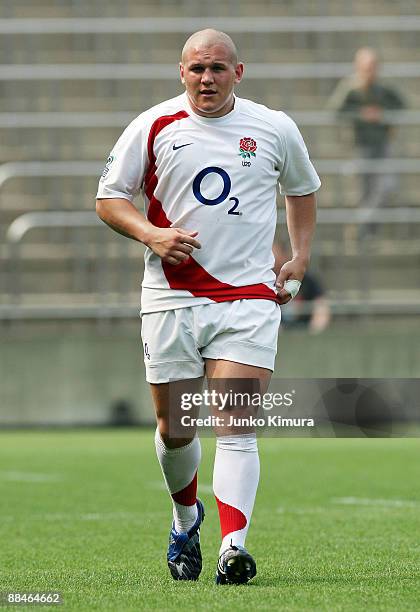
x=176 y=342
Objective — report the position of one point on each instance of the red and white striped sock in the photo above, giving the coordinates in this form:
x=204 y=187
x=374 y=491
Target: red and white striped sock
x=179 y=467
x=235 y=482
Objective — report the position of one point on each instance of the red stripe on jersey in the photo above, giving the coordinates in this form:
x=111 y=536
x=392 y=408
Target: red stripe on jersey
x=190 y=275
x=155 y=212
x=188 y=495
x=231 y=519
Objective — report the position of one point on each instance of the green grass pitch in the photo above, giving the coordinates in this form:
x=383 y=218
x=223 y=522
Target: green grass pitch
x=336 y=524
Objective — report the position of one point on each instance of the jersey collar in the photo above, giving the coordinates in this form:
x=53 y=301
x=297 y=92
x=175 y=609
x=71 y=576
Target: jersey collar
x=213 y=120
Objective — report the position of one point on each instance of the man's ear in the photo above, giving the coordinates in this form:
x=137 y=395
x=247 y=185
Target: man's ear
x=239 y=72
x=181 y=72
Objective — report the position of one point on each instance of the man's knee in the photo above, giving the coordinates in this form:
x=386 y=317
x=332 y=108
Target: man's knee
x=169 y=440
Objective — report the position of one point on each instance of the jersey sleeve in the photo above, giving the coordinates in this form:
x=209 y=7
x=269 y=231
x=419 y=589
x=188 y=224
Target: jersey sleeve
x=297 y=174
x=126 y=165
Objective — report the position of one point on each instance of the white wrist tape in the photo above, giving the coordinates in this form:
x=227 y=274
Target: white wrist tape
x=292 y=287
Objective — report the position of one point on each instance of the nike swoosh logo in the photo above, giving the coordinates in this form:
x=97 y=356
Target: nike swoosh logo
x=180 y=568
x=175 y=148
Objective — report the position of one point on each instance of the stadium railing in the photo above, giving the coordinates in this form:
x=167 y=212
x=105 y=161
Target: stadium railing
x=159 y=25
x=158 y=71
x=338 y=167
x=305 y=28
x=337 y=175
x=11 y=170
x=63 y=119
x=104 y=308
x=50 y=80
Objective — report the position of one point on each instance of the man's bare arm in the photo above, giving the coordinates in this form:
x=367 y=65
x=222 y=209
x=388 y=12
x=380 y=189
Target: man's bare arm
x=301 y=219
x=172 y=245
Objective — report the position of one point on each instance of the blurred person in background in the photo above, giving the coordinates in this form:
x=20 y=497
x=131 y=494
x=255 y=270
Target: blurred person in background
x=310 y=309
x=364 y=101
x=208 y=164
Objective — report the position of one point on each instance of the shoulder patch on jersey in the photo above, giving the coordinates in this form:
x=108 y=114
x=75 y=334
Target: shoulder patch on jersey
x=107 y=165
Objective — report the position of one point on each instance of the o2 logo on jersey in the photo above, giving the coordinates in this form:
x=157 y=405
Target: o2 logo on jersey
x=223 y=196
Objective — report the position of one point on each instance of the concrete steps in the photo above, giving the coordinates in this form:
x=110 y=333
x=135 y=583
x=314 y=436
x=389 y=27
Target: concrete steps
x=169 y=8
x=77 y=266
x=94 y=143
x=51 y=48
x=116 y=265
x=133 y=96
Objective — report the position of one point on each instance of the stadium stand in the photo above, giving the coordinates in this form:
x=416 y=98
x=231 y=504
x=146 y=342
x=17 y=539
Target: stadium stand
x=73 y=75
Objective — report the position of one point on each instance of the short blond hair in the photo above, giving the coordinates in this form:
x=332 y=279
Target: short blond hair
x=209 y=38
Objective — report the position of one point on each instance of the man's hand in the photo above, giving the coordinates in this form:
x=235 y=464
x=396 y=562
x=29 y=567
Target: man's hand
x=371 y=113
x=172 y=244
x=292 y=270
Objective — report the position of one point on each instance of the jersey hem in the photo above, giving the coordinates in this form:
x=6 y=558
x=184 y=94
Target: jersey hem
x=201 y=301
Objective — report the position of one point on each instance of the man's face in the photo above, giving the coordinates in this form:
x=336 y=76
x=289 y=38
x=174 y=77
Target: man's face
x=367 y=68
x=209 y=75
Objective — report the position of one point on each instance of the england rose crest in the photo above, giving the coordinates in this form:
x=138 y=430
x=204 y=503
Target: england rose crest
x=247 y=148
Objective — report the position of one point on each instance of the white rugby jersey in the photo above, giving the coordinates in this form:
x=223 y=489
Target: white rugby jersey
x=217 y=176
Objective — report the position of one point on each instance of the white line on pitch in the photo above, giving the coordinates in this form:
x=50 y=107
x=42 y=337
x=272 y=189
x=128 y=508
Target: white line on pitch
x=13 y=476
x=386 y=503
x=303 y=510
x=89 y=516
